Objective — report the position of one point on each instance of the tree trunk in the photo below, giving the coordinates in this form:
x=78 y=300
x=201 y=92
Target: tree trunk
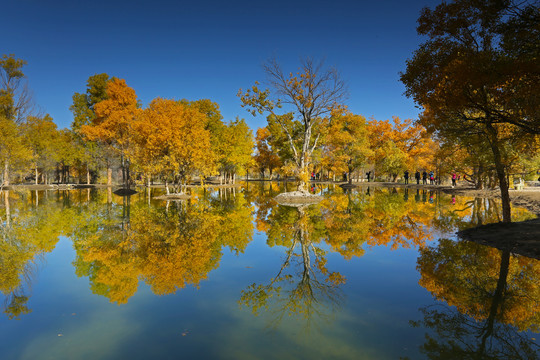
x=37 y=176
x=109 y=175
x=87 y=174
x=501 y=174
x=123 y=171
x=8 y=211
x=497 y=301
x=6 y=172
x=480 y=178
x=128 y=175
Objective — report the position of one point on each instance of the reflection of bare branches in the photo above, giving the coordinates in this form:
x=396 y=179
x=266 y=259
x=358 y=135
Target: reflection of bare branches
x=461 y=337
x=311 y=297
x=469 y=204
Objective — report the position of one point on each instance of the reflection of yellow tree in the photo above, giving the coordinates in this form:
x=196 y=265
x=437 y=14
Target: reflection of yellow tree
x=262 y=196
x=167 y=247
x=384 y=217
x=498 y=290
x=25 y=236
x=312 y=290
x=346 y=223
x=176 y=248
x=235 y=221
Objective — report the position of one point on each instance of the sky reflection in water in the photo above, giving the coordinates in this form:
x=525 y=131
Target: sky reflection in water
x=374 y=273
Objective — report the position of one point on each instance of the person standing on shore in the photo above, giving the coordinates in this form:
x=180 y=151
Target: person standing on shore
x=431 y=178
x=406 y=176
x=417 y=177
x=454 y=177
x=424 y=177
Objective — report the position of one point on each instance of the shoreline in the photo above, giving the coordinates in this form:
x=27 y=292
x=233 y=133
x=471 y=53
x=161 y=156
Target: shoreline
x=528 y=198
x=518 y=237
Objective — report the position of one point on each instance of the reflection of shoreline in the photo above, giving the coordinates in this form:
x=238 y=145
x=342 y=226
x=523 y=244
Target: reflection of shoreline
x=521 y=238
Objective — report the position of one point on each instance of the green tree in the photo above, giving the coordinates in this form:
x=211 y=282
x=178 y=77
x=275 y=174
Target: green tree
x=83 y=109
x=15 y=99
x=41 y=135
x=15 y=105
x=13 y=151
x=237 y=149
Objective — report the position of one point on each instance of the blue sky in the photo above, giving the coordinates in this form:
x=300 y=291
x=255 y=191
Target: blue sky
x=210 y=49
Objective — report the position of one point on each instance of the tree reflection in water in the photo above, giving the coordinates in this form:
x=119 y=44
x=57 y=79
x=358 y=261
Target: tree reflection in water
x=168 y=246
x=303 y=285
x=28 y=232
x=492 y=297
x=120 y=242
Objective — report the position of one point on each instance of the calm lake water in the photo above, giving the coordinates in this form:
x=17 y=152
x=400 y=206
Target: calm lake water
x=375 y=273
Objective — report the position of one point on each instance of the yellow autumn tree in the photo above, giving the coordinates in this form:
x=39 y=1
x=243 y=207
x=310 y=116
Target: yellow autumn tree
x=171 y=139
x=113 y=124
x=400 y=145
x=347 y=141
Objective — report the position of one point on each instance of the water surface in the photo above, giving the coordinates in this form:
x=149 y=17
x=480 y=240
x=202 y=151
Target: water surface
x=375 y=273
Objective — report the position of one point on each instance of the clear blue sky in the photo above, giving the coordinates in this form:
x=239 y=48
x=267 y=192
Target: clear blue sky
x=210 y=49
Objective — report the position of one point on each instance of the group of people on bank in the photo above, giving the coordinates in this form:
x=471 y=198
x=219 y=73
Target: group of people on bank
x=425 y=176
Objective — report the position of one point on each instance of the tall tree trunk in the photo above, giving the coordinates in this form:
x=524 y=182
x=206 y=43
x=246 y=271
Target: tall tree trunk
x=480 y=178
x=6 y=172
x=109 y=175
x=87 y=174
x=128 y=174
x=37 y=176
x=122 y=162
x=8 y=209
x=501 y=174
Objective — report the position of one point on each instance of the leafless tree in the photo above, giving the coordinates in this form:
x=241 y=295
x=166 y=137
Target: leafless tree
x=309 y=95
